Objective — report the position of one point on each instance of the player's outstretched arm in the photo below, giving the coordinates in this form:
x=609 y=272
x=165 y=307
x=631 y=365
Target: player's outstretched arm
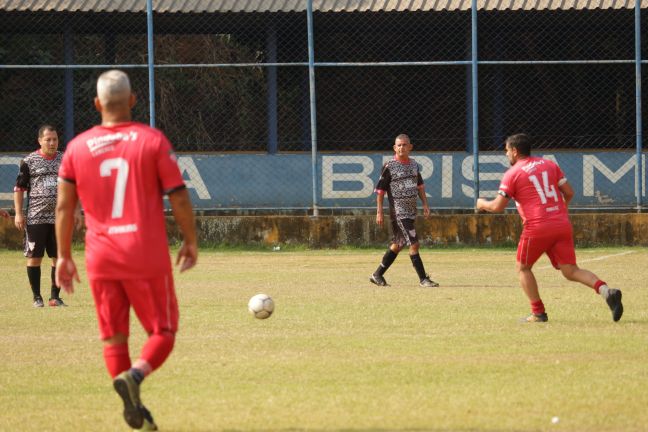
x=184 y=217
x=496 y=205
x=66 y=202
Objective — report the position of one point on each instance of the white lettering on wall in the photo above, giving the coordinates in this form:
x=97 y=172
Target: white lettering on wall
x=195 y=181
x=467 y=172
x=329 y=177
x=591 y=162
x=446 y=176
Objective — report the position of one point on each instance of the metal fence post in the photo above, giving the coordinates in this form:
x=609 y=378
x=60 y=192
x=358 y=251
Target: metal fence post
x=68 y=43
x=475 y=99
x=639 y=125
x=313 y=105
x=271 y=48
x=151 y=71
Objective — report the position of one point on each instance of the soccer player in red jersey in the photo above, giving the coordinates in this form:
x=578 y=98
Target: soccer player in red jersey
x=542 y=194
x=120 y=171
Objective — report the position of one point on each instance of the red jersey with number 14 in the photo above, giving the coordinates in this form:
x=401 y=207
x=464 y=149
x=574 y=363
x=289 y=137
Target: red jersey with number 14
x=533 y=183
x=121 y=174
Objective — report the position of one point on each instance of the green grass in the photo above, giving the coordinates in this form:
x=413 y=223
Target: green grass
x=340 y=354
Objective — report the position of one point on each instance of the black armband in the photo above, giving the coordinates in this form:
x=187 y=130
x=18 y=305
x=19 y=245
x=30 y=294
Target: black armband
x=174 y=189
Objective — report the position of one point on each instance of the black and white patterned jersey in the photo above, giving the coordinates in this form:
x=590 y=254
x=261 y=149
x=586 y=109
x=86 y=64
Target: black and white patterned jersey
x=401 y=181
x=38 y=176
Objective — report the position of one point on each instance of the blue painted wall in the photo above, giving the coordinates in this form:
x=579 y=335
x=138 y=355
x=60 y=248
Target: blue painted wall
x=600 y=179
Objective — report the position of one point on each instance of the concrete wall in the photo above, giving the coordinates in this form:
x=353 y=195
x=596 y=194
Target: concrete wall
x=628 y=229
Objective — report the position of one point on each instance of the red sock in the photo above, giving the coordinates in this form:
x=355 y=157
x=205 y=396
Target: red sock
x=116 y=358
x=537 y=307
x=598 y=285
x=157 y=348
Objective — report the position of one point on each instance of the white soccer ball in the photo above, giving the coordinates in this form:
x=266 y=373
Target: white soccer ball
x=261 y=306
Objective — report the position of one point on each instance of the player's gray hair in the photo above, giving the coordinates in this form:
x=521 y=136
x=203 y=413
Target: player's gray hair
x=402 y=137
x=113 y=86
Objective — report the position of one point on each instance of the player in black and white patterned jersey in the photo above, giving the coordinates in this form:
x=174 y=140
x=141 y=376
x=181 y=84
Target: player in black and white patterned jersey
x=37 y=176
x=401 y=180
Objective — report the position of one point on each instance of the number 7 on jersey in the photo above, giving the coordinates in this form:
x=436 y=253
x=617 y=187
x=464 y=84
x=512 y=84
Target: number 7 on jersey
x=121 y=165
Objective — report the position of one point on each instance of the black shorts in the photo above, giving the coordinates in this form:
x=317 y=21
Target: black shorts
x=38 y=239
x=404 y=232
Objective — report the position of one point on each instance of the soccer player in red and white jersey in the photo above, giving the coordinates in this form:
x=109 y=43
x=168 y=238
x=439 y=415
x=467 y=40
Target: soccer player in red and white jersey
x=120 y=171
x=542 y=194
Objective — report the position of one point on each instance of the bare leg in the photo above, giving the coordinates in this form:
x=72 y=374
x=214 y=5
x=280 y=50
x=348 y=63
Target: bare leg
x=573 y=273
x=612 y=296
x=34 y=262
x=528 y=281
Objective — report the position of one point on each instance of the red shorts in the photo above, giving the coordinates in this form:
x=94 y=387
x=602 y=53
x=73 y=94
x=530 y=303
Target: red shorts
x=558 y=245
x=153 y=300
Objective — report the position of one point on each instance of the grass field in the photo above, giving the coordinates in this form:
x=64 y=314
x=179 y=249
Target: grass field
x=340 y=354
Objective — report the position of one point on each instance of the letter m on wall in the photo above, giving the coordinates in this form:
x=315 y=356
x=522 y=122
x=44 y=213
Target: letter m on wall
x=591 y=163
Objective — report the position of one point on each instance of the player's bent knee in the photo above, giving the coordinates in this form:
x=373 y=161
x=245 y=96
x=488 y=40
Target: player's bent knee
x=34 y=262
x=569 y=271
x=523 y=268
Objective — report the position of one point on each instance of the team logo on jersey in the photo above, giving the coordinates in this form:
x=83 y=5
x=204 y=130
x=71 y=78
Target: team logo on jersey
x=530 y=167
x=105 y=143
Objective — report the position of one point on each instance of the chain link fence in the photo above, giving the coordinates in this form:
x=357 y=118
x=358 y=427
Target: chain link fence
x=233 y=90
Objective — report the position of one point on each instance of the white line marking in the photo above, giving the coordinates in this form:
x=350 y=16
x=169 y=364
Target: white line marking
x=593 y=259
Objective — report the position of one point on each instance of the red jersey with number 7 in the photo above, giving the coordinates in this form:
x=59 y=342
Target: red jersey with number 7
x=121 y=174
x=534 y=183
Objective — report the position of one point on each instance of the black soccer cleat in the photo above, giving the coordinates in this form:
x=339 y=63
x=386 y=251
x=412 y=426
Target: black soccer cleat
x=614 y=302
x=377 y=279
x=128 y=390
x=535 y=318
x=38 y=302
x=149 y=424
x=426 y=282
x=56 y=302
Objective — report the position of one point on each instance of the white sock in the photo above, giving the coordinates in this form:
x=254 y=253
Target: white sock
x=604 y=291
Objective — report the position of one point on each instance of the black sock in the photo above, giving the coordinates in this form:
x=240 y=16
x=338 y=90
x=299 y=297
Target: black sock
x=418 y=266
x=137 y=375
x=34 y=275
x=387 y=260
x=55 y=290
